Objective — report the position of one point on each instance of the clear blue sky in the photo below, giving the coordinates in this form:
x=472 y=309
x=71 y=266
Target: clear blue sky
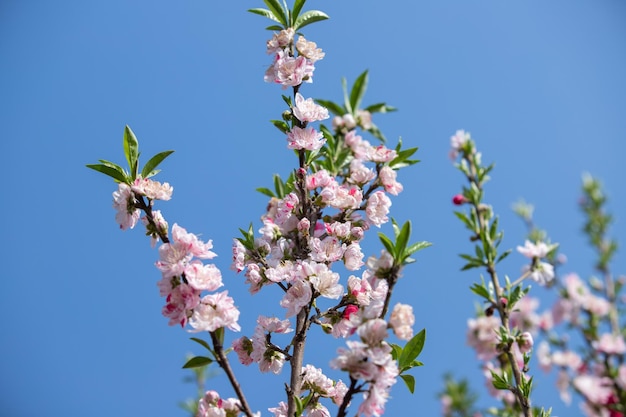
x=540 y=85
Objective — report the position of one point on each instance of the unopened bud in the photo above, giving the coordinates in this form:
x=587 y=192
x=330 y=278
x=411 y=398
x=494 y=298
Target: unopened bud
x=525 y=342
x=459 y=199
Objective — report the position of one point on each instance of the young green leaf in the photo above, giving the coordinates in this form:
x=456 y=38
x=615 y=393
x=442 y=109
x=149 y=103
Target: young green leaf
x=409 y=381
x=197 y=362
x=412 y=349
x=131 y=150
x=333 y=107
x=309 y=17
x=265 y=13
x=403 y=238
x=379 y=108
x=117 y=175
x=358 y=90
x=154 y=162
x=297 y=7
x=278 y=11
x=417 y=246
x=203 y=343
x=386 y=243
x=266 y=191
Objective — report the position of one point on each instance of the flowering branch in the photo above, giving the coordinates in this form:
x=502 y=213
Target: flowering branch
x=510 y=343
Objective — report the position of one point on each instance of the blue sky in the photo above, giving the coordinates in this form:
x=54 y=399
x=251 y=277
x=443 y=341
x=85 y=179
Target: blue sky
x=539 y=85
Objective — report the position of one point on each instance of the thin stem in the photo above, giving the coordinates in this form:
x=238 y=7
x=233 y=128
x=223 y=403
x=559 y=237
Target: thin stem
x=222 y=361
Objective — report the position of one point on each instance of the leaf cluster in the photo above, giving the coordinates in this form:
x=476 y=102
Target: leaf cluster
x=131 y=152
x=407 y=356
x=286 y=17
x=400 y=250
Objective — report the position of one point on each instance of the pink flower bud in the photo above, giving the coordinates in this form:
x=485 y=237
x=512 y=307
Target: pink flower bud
x=525 y=342
x=459 y=199
x=350 y=310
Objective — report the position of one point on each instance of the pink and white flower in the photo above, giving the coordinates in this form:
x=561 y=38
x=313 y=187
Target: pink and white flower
x=309 y=111
x=215 y=311
x=378 y=208
x=307 y=138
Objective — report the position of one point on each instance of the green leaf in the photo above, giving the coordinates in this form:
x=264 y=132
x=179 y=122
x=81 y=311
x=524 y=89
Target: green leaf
x=280 y=125
x=309 y=17
x=279 y=186
x=412 y=349
x=297 y=7
x=154 y=162
x=415 y=247
x=396 y=351
x=403 y=238
x=197 y=362
x=409 y=380
x=266 y=13
x=346 y=99
x=266 y=191
x=386 y=242
x=203 y=343
x=481 y=291
x=117 y=175
x=278 y=11
x=358 y=90
x=380 y=108
x=131 y=150
x=503 y=255
x=333 y=107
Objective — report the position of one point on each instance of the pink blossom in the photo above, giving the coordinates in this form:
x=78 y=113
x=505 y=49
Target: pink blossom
x=365 y=119
x=359 y=173
x=280 y=40
x=203 y=277
x=329 y=249
x=378 y=208
x=534 y=250
x=243 y=348
x=320 y=178
x=215 y=311
x=309 y=111
x=239 y=256
x=154 y=190
x=355 y=361
x=596 y=390
x=482 y=336
x=274 y=325
x=298 y=296
x=325 y=281
x=307 y=138
x=457 y=142
x=309 y=49
x=192 y=244
x=353 y=257
x=173 y=259
x=289 y=71
x=525 y=342
x=124 y=202
x=280 y=411
x=179 y=303
x=373 y=332
x=610 y=344
x=347 y=197
x=402 y=320
x=388 y=179
x=381 y=153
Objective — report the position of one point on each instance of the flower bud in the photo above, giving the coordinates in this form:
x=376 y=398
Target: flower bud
x=525 y=342
x=459 y=199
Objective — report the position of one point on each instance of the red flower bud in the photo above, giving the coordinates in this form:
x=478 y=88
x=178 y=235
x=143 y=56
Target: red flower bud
x=459 y=199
